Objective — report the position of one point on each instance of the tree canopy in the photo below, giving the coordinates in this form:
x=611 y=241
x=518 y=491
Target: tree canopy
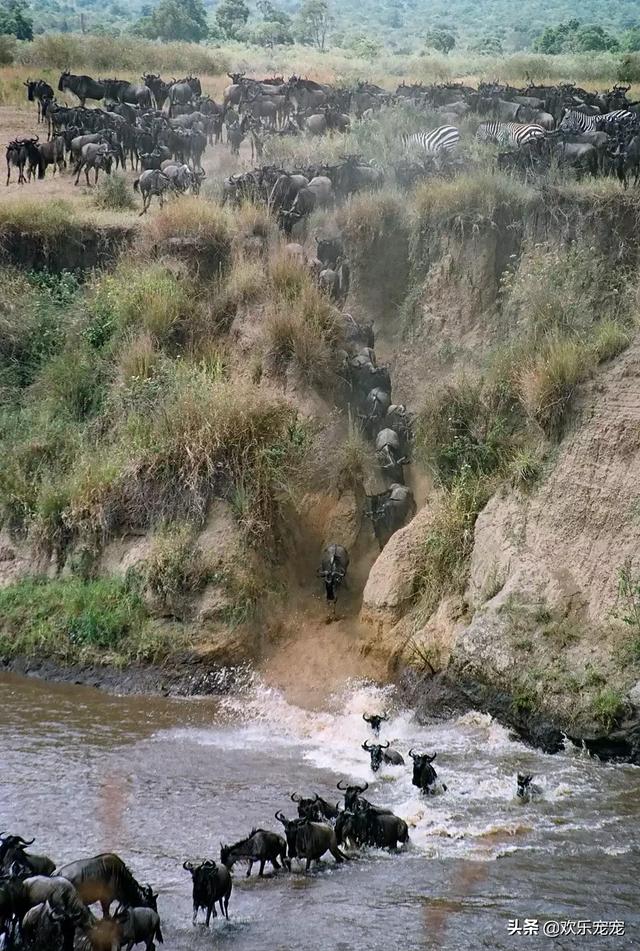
x=176 y=20
x=15 y=20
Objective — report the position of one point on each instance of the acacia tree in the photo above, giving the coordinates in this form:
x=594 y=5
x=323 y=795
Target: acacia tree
x=313 y=21
x=441 y=40
x=231 y=16
x=176 y=20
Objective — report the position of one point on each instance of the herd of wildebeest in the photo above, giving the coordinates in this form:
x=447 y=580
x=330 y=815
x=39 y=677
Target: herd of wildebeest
x=163 y=129
x=45 y=907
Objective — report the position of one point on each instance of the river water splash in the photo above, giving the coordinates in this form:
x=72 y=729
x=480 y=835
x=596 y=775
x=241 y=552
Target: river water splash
x=162 y=780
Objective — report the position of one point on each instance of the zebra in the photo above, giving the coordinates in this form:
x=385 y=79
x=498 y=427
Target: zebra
x=578 y=122
x=509 y=133
x=433 y=142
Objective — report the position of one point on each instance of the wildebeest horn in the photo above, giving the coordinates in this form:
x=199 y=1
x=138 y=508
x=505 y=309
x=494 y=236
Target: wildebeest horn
x=430 y=759
x=317 y=797
x=365 y=746
x=363 y=788
x=280 y=817
x=25 y=841
x=209 y=863
x=386 y=746
x=295 y=797
x=341 y=788
x=411 y=753
x=188 y=866
x=366 y=718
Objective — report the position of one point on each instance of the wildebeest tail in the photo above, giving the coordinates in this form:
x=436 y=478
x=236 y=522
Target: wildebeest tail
x=136 y=185
x=159 y=937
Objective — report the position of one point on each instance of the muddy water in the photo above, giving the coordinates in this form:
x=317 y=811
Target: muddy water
x=161 y=781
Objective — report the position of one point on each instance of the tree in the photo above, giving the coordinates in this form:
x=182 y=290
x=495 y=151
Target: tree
x=313 y=21
x=441 y=40
x=594 y=39
x=270 y=33
x=231 y=16
x=556 y=39
x=15 y=20
x=489 y=45
x=631 y=40
x=175 y=20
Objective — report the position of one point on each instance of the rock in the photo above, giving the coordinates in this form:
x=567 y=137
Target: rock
x=634 y=694
x=391 y=584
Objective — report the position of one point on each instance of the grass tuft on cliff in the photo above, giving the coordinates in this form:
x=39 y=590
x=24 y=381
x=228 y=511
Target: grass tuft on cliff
x=75 y=621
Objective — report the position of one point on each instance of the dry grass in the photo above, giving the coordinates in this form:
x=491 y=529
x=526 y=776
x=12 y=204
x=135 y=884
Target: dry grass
x=546 y=385
x=303 y=331
x=369 y=216
x=204 y=222
x=470 y=196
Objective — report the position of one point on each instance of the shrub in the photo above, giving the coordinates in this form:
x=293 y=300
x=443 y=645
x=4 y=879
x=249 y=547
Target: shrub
x=609 y=708
x=7 y=49
x=546 y=385
x=304 y=332
x=145 y=297
x=369 y=216
x=176 y=567
x=464 y=425
x=113 y=194
x=445 y=554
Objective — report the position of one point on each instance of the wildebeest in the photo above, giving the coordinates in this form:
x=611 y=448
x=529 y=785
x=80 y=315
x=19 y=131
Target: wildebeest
x=84 y=87
x=424 y=775
x=526 y=789
x=375 y=721
x=384 y=829
x=121 y=90
x=139 y=926
x=41 y=92
x=351 y=828
x=19 y=153
x=309 y=840
x=12 y=850
x=315 y=809
x=211 y=883
x=104 y=878
x=260 y=846
x=152 y=182
x=336 y=281
x=329 y=251
x=13 y=904
x=390 y=511
x=353 y=800
x=52 y=153
x=389 y=455
x=382 y=754
x=96 y=156
x=333 y=569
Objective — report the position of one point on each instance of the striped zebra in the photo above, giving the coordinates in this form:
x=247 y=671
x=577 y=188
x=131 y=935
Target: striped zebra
x=509 y=133
x=434 y=142
x=578 y=122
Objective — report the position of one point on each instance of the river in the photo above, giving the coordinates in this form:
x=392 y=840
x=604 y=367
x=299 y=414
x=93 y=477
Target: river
x=162 y=780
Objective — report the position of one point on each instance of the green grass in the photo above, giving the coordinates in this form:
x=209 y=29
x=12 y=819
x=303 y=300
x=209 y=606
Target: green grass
x=609 y=708
x=114 y=194
x=74 y=621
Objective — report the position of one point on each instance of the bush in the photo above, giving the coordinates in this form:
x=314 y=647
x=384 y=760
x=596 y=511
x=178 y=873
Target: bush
x=113 y=194
x=69 y=619
x=144 y=297
x=195 y=218
x=609 y=708
x=445 y=554
x=7 y=49
x=304 y=332
x=547 y=384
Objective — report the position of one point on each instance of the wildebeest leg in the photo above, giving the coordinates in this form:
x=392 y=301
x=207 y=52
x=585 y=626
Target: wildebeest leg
x=77 y=171
x=226 y=907
x=209 y=910
x=86 y=175
x=275 y=864
x=195 y=913
x=337 y=854
x=95 y=181
x=8 y=171
x=250 y=867
x=105 y=905
x=261 y=872
x=308 y=865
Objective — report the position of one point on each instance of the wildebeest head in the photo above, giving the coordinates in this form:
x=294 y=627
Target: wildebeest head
x=307 y=808
x=12 y=851
x=200 y=873
x=149 y=897
x=424 y=775
x=328 y=250
x=351 y=795
x=524 y=783
x=375 y=721
x=375 y=752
